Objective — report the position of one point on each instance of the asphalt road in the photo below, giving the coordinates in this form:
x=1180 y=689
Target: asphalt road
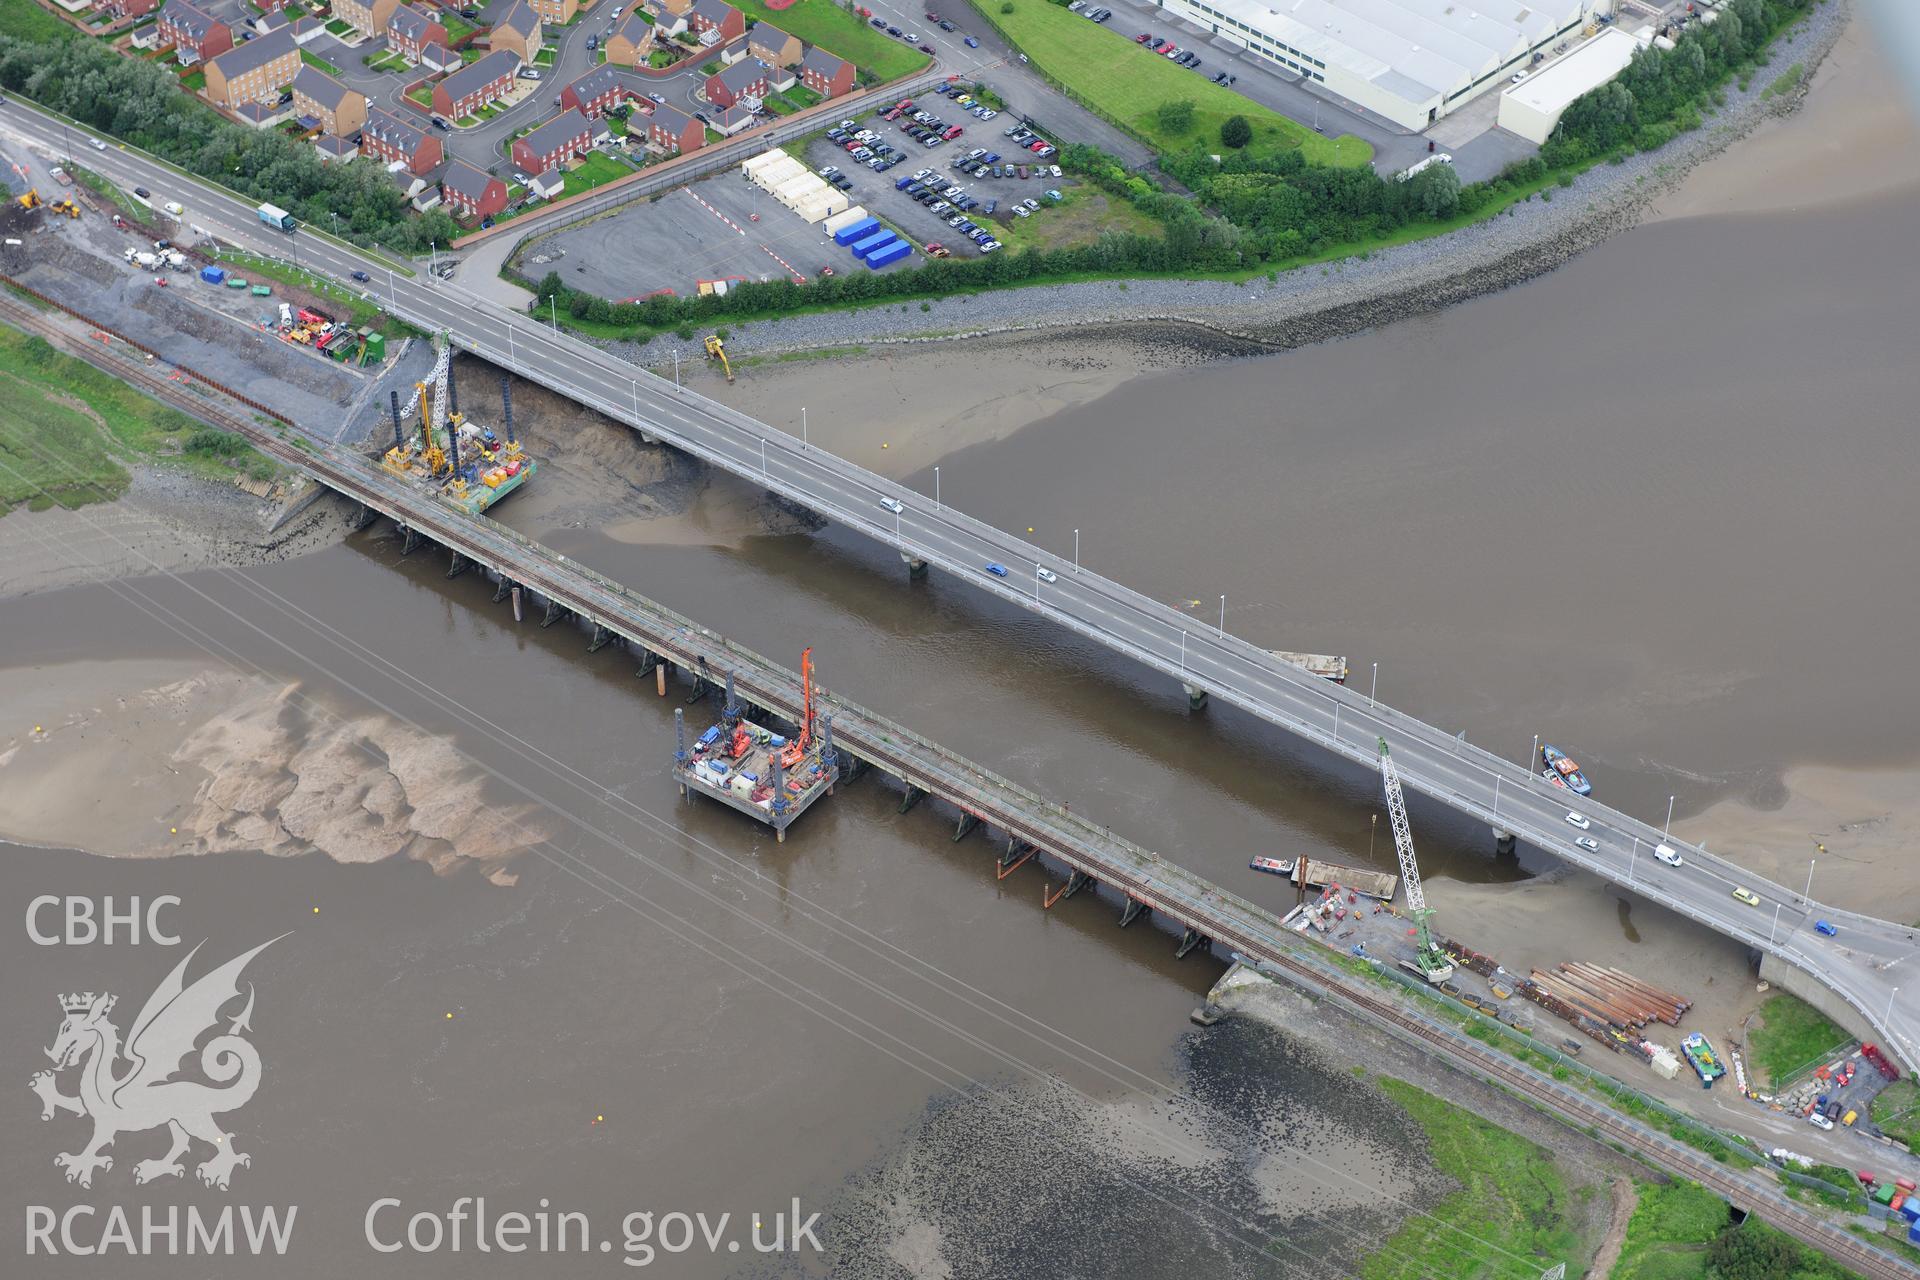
x=1861 y=964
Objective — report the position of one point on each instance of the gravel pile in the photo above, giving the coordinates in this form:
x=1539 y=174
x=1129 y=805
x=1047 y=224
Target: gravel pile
x=1313 y=304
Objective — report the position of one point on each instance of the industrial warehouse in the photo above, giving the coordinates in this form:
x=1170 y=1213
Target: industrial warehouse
x=1411 y=61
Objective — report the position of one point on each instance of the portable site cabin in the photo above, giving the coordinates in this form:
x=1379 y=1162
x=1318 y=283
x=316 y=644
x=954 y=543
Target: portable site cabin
x=873 y=243
x=844 y=219
x=888 y=255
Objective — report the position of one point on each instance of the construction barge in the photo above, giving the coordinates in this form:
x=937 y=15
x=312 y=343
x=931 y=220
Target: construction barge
x=1315 y=873
x=463 y=462
x=754 y=768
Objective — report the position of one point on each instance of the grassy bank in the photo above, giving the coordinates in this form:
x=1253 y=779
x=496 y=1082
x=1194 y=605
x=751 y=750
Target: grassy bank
x=1672 y=1225
x=1792 y=1038
x=837 y=31
x=1115 y=77
x=1896 y=1111
x=1510 y=1204
x=359 y=310
x=29 y=21
x=66 y=428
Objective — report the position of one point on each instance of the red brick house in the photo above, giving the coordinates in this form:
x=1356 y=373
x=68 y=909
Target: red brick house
x=773 y=46
x=717 y=16
x=745 y=79
x=827 y=74
x=393 y=140
x=472 y=193
x=195 y=35
x=596 y=92
x=675 y=130
x=475 y=85
x=122 y=9
x=411 y=30
x=554 y=143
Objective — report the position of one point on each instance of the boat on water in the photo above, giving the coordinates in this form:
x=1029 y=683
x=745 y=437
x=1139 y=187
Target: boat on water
x=1272 y=866
x=1563 y=764
x=1700 y=1056
x=1554 y=778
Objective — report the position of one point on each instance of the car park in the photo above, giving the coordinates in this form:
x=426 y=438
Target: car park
x=1578 y=820
x=1031 y=204
x=1022 y=171
x=996 y=569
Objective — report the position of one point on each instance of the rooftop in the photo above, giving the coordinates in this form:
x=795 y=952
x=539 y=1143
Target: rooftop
x=557 y=132
x=255 y=53
x=467 y=180
x=320 y=87
x=476 y=76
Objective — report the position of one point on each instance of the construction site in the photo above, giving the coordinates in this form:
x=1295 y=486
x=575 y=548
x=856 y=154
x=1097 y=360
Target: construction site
x=767 y=774
x=458 y=458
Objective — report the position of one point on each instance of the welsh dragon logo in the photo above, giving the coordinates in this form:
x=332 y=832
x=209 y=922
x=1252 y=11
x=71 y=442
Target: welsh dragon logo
x=146 y=1094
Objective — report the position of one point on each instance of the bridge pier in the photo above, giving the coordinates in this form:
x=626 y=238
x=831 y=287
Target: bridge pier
x=965 y=826
x=914 y=796
x=1196 y=697
x=648 y=661
x=502 y=589
x=1504 y=843
x=361 y=518
x=409 y=539
x=916 y=569
x=701 y=686
x=1132 y=911
x=459 y=566
x=1076 y=881
x=601 y=639
x=1189 y=940
x=1018 y=854
x=555 y=612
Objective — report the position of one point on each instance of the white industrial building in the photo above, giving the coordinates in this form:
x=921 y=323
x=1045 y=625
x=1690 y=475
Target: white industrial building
x=794 y=185
x=1411 y=61
x=1534 y=106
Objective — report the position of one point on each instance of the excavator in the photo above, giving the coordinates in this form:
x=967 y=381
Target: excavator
x=794 y=752
x=31 y=200
x=717 y=350
x=67 y=207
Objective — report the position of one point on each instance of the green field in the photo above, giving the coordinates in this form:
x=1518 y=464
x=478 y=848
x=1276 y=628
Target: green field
x=1511 y=1200
x=28 y=21
x=1791 y=1039
x=358 y=309
x=1123 y=82
x=1086 y=215
x=847 y=34
x=1896 y=1112
x=66 y=427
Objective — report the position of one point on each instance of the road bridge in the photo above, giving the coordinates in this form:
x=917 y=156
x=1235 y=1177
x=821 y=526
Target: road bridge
x=1138 y=879
x=1860 y=966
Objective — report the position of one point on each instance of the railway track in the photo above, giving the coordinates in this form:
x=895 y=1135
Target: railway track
x=1071 y=840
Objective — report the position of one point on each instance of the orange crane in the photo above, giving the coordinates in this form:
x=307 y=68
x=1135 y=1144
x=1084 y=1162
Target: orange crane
x=797 y=749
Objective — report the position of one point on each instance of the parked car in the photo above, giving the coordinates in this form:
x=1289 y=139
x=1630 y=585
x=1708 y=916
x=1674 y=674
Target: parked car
x=593 y=42
x=1031 y=204
x=1819 y=1121
x=878 y=22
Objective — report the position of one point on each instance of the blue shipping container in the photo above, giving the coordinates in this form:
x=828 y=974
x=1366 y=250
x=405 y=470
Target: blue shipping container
x=213 y=275
x=1913 y=1233
x=888 y=256
x=856 y=231
x=1911 y=1209
x=878 y=240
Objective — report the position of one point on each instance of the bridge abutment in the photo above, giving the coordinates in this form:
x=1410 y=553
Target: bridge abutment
x=1796 y=981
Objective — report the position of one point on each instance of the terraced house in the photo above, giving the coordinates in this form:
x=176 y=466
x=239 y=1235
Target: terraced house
x=122 y=9
x=716 y=21
x=630 y=42
x=323 y=103
x=411 y=30
x=596 y=92
x=743 y=84
x=392 y=140
x=476 y=85
x=369 y=17
x=554 y=143
x=517 y=29
x=827 y=74
x=472 y=193
x=557 y=12
x=255 y=71
x=194 y=34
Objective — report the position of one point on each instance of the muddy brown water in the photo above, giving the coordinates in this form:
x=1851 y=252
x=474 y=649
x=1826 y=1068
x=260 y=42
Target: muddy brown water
x=1654 y=507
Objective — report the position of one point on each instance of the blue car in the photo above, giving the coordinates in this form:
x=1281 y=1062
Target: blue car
x=1820 y=926
x=972 y=43
x=997 y=570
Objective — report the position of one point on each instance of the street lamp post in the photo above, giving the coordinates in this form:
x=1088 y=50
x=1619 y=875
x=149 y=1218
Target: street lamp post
x=1889 y=1017
x=1807 y=897
x=553 y=313
x=1632 y=858
x=1036 y=584
x=636 y=396
x=803 y=424
x=1669 y=827
x=1375 y=686
x=1774 y=927
x=1183 y=653
x=936 y=487
x=763 y=458
x=676 y=366
x=433 y=260
x=1223 y=616
x=1536 y=753
x=1076 y=551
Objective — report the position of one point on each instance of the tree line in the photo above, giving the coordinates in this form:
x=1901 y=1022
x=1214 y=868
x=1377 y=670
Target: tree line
x=144 y=105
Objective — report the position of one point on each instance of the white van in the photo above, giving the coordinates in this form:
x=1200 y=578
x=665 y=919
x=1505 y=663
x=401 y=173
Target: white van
x=174 y=207
x=1667 y=854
